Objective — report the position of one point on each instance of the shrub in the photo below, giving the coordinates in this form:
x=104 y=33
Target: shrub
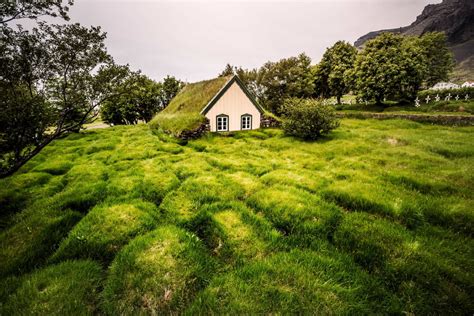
x=158 y=273
x=307 y=119
x=69 y=288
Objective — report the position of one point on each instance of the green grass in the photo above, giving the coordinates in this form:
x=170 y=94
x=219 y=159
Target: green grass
x=157 y=273
x=376 y=218
x=69 y=288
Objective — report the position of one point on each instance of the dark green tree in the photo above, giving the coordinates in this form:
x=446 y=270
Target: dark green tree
x=378 y=68
x=439 y=59
x=287 y=78
x=137 y=99
x=169 y=89
x=13 y=9
x=331 y=72
x=228 y=71
x=53 y=80
x=395 y=67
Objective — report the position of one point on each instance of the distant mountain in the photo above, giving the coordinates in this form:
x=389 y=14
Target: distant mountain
x=453 y=17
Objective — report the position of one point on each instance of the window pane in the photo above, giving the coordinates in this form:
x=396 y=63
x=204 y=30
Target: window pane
x=246 y=122
x=222 y=123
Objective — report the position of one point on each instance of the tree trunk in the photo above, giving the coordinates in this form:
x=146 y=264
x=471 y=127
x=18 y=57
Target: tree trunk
x=339 y=99
x=25 y=159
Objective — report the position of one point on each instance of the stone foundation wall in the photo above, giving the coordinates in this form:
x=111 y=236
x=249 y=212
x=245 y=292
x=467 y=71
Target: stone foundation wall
x=196 y=133
x=268 y=121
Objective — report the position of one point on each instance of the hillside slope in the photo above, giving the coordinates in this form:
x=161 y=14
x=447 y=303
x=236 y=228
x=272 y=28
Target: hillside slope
x=374 y=219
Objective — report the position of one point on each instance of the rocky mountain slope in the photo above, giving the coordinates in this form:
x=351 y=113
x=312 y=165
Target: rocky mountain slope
x=456 y=19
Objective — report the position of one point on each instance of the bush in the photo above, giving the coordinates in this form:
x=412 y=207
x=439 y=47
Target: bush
x=308 y=119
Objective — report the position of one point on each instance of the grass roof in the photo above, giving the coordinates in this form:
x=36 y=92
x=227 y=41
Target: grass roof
x=183 y=113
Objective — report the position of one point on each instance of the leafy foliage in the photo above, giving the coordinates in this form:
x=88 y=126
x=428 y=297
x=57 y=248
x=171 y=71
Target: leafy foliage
x=54 y=78
x=169 y=89
x=276 y=81
x=287 y=78
x=332 y=74
x=12 y=10
x=136 y=99
x=308 y=119
x=438 y=58
x=228 y=71
x=392 y=66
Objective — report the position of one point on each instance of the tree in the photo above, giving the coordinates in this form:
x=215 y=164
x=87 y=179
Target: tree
x=413 y=67
x=228 y=71
x=307 y=119
x=54 y=78
x=331 y=72
x=138 y=98
x=170 y=88
x=438 y=58
x=378 y=68
x=291 y=77
x=12 y=9
x=252 y=80
x=395 y=66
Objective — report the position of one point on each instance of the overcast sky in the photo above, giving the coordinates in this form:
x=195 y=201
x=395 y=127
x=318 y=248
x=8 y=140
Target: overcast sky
x=194 y=39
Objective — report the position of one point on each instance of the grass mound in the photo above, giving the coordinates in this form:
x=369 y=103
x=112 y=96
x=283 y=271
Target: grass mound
x=241 y=237
x=158 y=273
x=69 y=288
x=296 y=213
x=289 y=283
x=421 y=273
x=33 y=237
x=102 y=232
x=184 y=203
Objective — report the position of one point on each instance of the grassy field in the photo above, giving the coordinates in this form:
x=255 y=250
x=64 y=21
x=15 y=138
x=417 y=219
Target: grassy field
x=375 y=218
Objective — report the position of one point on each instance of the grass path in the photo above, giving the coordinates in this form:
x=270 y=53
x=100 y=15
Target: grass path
x=377 y=217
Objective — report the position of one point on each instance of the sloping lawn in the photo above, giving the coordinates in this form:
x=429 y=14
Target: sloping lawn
x=376 y=218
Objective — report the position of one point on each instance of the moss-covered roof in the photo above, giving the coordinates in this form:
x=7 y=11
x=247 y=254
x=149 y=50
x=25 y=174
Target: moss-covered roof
x=184 y=111
x=195 y=96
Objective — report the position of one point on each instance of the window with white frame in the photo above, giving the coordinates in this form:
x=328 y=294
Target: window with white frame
x=246 y=122
x=222 y=123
